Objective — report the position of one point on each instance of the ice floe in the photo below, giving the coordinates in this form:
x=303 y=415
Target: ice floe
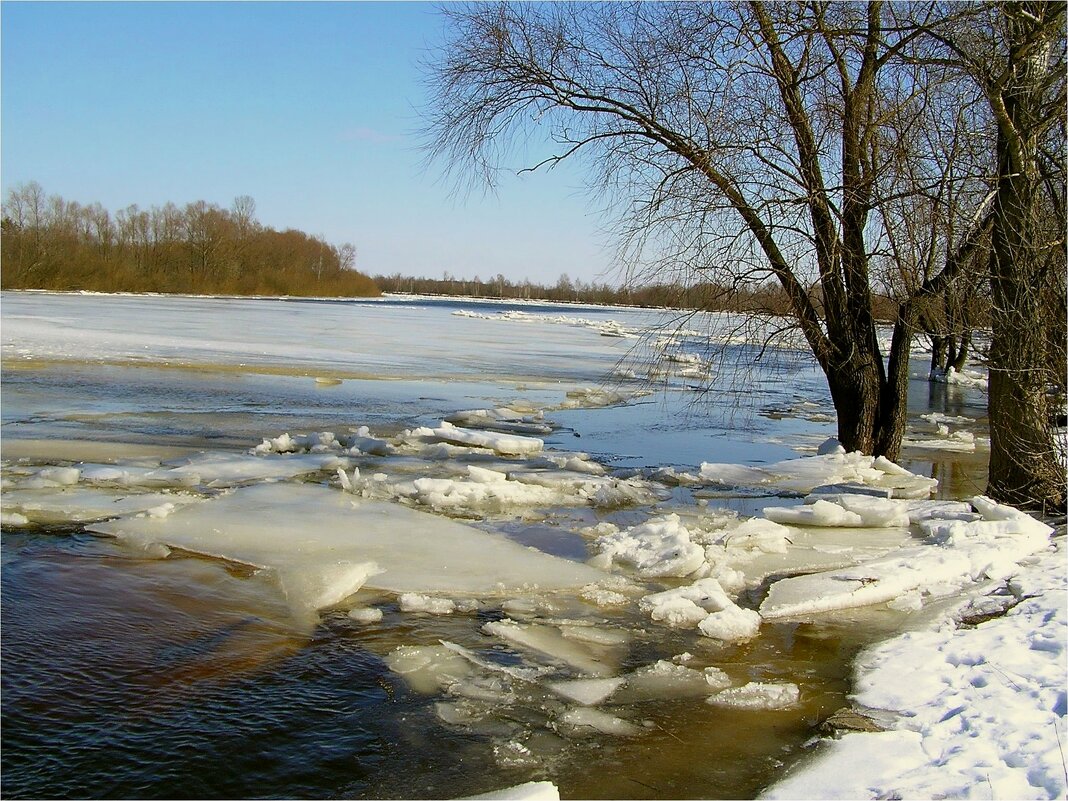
x=502 y=419
x=758 y=695
x=85 y=504
x=503 y=443
x=315 y=539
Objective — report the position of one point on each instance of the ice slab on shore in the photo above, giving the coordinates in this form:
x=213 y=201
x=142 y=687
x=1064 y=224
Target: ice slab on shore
x=957 y=552
x=979 y=707
x=807 y=473
x=314 y=530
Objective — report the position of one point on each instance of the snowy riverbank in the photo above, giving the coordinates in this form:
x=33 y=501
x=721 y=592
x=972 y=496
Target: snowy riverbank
x=973 y=709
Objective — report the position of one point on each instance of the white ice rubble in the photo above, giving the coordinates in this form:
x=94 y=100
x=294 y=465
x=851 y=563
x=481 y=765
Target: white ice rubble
x=865 y=534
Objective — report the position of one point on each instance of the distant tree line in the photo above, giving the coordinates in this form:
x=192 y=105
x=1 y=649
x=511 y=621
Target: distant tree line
x=767 y=298
x=51 y=243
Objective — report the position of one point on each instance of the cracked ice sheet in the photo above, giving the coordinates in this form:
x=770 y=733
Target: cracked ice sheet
x=316 y=539
x=980 y=711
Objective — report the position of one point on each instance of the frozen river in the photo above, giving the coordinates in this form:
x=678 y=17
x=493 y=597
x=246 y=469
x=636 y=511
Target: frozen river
x=426 y=548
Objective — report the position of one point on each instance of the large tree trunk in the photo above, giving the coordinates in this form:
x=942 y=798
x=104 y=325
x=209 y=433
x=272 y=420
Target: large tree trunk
x=1023 y=465
x=1024 y=469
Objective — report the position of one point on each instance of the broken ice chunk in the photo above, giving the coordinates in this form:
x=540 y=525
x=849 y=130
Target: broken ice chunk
x=600 y=721
x=664 y=680
x=703 y=604
x=504 y=444
x=588 y=692
x=312 y=587
x=548 y=640
x=530 y=791
x=414 y=602
x=366 y=614
x=658 y=547
x=731 y=624
x=428 y=668
x=757 y=695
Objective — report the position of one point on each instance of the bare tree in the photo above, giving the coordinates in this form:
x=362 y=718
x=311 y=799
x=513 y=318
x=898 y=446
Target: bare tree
x=746 y=141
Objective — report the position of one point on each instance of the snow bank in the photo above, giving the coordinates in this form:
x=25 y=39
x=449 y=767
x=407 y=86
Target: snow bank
x=316 y=538
x=980 y=708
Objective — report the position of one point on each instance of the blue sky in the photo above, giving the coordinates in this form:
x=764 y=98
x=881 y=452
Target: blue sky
x=310 y=108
